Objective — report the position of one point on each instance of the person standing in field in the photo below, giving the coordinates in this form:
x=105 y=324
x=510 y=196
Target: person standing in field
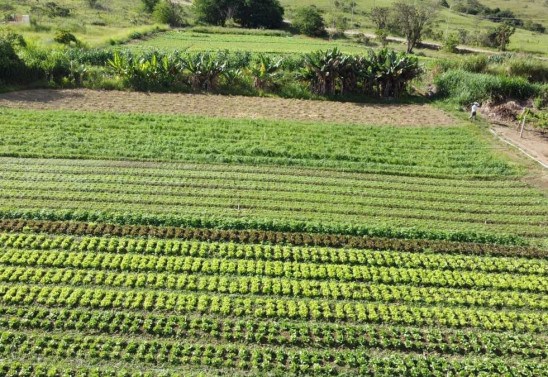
x=475 y=106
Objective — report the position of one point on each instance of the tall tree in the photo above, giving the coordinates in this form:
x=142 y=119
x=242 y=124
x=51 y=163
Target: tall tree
x=260 y=13
x=248 y=13
x=380 y=16
x=215 y=12
x=503 y=34
x=411 y=20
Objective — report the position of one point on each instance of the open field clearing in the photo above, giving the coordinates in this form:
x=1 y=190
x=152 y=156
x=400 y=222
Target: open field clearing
x=228 y=107
x=340 y=239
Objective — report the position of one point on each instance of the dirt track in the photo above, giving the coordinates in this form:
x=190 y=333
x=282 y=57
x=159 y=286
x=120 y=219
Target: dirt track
x=228 y=106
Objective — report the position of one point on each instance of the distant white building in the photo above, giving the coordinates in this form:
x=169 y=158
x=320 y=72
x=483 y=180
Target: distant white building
x=20 y=19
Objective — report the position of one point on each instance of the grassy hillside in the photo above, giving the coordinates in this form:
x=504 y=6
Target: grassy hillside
x=109 y=19
x=117 y=19
x=523 y=40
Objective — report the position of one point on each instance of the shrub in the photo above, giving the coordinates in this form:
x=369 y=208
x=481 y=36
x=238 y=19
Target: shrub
x=248 y=13
x=53 y=9
x=534 y=27
x=209 y=12
x=466 y=87
x=168 y=12
x=66 y=38
x=92 y=3
x=149 y=5
x=309 y=21
x=451 y=42
x=532 y=69
x=51 y=65
x=475 y=64
x=12 y=68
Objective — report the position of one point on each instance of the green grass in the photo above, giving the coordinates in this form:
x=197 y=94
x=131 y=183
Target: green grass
x=118 y=19
x=448 y=20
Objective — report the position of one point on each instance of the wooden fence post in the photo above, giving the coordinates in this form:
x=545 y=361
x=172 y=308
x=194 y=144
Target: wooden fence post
x=523 y=123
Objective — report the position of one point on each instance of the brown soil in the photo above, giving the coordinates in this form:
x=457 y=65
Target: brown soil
x=228 y=107
x=505 y=124
x=534 y=144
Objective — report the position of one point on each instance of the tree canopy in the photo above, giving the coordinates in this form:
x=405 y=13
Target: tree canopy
x=247 y=13
x=309 y=21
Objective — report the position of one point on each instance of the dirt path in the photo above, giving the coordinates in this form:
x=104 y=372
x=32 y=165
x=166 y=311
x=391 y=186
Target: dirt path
x=229 y=107
x=532 y=143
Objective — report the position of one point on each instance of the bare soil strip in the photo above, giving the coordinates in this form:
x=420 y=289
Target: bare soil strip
x=532 y=143
x=228 y=107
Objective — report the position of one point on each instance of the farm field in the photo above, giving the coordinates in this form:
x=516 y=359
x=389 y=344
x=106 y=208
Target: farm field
x=183 y=40
x=227 y=107
x=140 y=244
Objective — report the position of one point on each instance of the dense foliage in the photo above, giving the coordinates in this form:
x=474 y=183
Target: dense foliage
x=309 y=21
x=383 y=73
x=248 y=13
x=466 y=87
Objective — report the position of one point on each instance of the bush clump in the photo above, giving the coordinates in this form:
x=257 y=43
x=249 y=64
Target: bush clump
x=168 y=12
x=65 y=37
x=466 y=87
x=309 y=21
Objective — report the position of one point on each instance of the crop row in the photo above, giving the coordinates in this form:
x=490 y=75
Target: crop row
x=362 y=200
x=292 y=270
x=279 y=287
x=269 y=237
x=350 y=163
x=431 y=151
x=273 y=308
x=279 y=333
x=64 y=212
x=251 y=175
x=215 y=200
x=373 y=192
x=295 y=180
x=322 y=255
x=236 y=215
x=156 y=352
x=386 y=366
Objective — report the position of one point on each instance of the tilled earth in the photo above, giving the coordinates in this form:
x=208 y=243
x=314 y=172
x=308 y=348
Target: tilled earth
x=228 y=107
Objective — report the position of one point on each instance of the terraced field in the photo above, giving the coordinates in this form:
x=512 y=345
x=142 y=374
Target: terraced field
x=156 y=245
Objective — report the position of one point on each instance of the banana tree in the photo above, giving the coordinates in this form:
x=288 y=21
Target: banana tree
x=321 y=71
x=394 y=71
x=149 y=71
x=264 y=71
x=205 y=71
